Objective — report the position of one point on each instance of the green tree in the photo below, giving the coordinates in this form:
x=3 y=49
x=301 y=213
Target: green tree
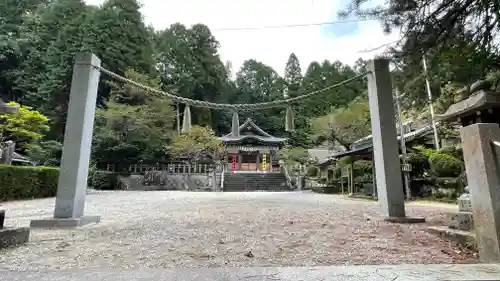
x=293 y=76
x=453 y=67
x=189 y=65
x=122 y=39
x=293 y=155
x=135 y=126
x=12 y=49
x=24 y=126
x=257 y=82
x=198 y=143
x=345 y=125
x=429 y=24
x=319 y=76
x=45 y=153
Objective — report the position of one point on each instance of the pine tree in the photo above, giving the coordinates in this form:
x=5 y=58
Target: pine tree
x=293 y=75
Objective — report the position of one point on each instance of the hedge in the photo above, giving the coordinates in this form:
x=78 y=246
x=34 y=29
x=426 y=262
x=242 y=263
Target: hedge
x=104 y=180
x=444 y=165
x=27 y=182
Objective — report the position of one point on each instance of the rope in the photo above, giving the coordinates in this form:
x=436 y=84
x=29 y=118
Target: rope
x=235 y=107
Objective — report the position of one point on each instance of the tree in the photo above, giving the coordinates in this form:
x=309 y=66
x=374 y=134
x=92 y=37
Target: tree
x=293 y=155
x=45 y=153
x=197 y=144
x=429 y=24
x=189 y=65
x=293 y=76
x=455 y=66
x=258 y=83
x=135 y=126
x=345 y=125
x=24 y=126
x=123 y=40
x=319 y=76
x=13 y=14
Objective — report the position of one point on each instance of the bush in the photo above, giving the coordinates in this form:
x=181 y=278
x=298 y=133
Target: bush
x=362 y=167
x=105 y=180
x=418 y=163
x=444 y=165
x=450 y=150
x=312 y=171
x=27 y=182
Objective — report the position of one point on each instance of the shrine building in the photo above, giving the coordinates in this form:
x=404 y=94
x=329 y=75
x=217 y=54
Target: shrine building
x=251 y=149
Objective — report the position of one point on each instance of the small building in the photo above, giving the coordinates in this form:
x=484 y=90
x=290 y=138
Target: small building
x=253 y=150
x=364 y=146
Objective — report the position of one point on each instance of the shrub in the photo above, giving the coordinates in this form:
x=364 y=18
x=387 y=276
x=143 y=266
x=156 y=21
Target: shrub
x=27 y=182
x=444 y=165
x=362 y=167
x=347 y=160
x=337 y=172
x=312 y=171
x=104 y=180
x=418 y=163
x=451 y=150
x=365 y=178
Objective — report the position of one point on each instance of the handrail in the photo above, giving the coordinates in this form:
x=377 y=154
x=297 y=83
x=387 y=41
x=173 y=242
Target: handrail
x=222 y=179
x=287 y=175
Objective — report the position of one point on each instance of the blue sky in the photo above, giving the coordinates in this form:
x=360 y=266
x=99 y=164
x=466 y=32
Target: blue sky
x=340 y=30
x=345 y=42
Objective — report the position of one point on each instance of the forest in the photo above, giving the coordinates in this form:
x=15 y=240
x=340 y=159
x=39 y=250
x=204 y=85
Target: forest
x=39 y=39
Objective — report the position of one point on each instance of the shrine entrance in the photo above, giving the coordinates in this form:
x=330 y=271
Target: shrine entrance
x=252 y=151
x=250 y=161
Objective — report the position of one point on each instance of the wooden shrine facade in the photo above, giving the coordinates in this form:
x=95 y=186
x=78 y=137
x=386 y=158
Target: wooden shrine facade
x=252 y=150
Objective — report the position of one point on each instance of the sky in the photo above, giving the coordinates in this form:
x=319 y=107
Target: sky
x=345 y=42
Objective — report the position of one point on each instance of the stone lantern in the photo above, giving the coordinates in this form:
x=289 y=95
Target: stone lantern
x=482 y=106
x=10 y=236
x=7 y=148
x=7 y=108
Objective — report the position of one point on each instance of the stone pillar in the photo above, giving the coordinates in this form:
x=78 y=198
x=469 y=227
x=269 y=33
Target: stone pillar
x=385 y=144
x=483 y=176
x=72 y=184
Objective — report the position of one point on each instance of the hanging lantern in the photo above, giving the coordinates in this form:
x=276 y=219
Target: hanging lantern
x=186 y=120
x=233 y=167
x=264 y=162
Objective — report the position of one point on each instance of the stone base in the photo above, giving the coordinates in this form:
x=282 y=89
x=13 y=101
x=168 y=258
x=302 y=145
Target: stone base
x=403 y=220
x=10 y=237
x=462 y=221
x=461 y=237
x=64 y=222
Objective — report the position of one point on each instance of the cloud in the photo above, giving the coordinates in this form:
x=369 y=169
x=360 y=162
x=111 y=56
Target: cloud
x=343 y=42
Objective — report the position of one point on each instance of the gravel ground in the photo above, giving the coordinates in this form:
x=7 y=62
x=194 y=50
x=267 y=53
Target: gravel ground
x=195 y=229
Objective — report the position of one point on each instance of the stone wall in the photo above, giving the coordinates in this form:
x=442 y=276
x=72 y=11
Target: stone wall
x=162 y=180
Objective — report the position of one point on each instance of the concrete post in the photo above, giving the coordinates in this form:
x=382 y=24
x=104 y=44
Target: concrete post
x=483 y=176
x=374 y=179
x=72 y=185
x=385 y=144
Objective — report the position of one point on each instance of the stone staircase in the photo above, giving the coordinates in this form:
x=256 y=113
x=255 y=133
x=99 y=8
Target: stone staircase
x=255 y=182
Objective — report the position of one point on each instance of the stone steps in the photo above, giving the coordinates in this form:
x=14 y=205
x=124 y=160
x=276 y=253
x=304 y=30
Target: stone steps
x=255 y=182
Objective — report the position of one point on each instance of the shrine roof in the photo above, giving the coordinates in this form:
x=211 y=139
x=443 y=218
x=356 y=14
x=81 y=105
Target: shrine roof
x=250 y=130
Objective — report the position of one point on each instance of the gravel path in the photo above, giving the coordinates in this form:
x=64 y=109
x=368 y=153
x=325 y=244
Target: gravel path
x=195 y=229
